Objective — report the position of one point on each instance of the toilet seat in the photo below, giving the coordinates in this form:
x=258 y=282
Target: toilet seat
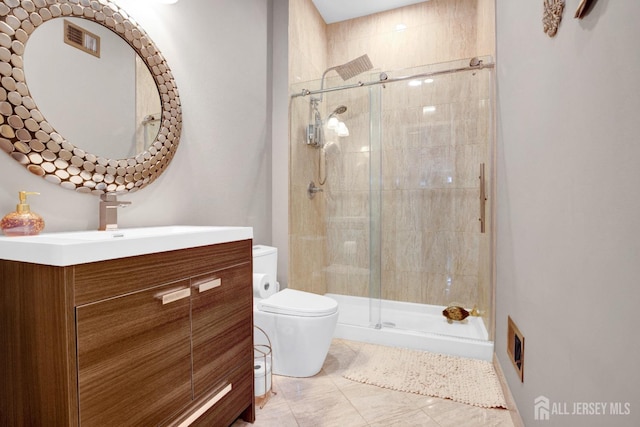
x=298 y=303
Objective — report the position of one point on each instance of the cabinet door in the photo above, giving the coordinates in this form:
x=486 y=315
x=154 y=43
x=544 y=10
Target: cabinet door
x=222 y=319
x=134 y=357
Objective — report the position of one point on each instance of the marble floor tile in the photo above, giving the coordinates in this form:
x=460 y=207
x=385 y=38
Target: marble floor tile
x=298 y=389
x=415 y=418
x=448 y=413
x=326 y=411
x=330 y=400
x=377 y=404
x=274 y=413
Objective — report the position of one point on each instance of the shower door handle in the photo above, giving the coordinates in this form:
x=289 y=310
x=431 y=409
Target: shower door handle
x=483 y=199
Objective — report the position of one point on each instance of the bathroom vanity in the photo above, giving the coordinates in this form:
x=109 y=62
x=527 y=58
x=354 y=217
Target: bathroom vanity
x=162 y=335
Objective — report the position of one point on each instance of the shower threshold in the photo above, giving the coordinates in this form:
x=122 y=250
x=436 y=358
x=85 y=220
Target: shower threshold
x=411 y=325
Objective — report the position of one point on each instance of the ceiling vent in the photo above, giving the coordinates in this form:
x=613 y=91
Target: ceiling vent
x=82 y=39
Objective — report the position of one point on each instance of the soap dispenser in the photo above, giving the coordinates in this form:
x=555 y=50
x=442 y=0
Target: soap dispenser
x=22 y=222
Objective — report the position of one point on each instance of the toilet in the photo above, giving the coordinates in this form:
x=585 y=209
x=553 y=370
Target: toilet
x=300 y=325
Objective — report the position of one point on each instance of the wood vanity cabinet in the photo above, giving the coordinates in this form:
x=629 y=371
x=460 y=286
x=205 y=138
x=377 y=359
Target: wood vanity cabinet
x=162 y=339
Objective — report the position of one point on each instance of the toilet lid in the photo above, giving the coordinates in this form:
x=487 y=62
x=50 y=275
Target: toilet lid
x=298 y=303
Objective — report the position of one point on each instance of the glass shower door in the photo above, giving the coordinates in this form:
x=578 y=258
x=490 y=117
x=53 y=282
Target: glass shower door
x=351 y=162
x=395 y=235
x=435 y=135
x=375 y=207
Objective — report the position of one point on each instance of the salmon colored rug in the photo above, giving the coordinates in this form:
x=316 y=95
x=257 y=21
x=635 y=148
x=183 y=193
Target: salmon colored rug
x=463 y=380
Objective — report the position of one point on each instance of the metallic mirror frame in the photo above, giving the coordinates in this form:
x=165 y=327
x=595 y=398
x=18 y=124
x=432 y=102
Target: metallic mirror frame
x=26 y=135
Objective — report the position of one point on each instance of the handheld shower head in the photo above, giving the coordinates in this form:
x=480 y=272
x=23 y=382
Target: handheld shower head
x=340 y=109
x=333 y=123
x=315 y=134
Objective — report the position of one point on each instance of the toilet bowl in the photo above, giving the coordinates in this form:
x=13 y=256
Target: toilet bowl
x=300 y=325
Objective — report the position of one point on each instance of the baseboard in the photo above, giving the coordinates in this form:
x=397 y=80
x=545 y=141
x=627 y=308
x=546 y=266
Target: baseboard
x=511 y=403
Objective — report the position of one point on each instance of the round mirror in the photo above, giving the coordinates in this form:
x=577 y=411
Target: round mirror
x=116 y=118
x=82 y=52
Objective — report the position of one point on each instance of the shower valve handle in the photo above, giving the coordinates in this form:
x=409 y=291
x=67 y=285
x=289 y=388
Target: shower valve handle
x=312 y=190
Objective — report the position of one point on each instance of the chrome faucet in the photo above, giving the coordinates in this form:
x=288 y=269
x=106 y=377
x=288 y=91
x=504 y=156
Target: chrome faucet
x=109 y=205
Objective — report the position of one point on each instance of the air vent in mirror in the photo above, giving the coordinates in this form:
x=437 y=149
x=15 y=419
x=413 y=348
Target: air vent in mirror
x=82 y=39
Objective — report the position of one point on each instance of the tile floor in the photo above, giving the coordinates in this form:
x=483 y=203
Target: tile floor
x=330 y=400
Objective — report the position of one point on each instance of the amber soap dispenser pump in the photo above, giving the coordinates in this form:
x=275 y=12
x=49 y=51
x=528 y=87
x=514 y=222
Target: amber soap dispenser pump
x=22 y=222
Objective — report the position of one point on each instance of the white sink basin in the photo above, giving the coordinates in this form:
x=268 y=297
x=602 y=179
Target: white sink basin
x=79 y=247
x=130 y=233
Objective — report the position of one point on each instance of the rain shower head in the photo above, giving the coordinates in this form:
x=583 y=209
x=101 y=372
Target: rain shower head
x=347 y=71
x=353 y=68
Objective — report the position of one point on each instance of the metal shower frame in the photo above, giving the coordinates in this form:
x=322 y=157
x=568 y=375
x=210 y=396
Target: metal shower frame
x=474 y=64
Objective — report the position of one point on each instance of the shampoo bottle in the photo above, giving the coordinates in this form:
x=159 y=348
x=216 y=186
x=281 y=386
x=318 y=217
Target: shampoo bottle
x=22 y=222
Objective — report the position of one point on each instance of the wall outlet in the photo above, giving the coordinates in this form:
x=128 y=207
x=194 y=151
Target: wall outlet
x=515 y=347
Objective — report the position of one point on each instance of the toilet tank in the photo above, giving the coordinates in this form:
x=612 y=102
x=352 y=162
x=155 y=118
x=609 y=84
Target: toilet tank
x=265 y=260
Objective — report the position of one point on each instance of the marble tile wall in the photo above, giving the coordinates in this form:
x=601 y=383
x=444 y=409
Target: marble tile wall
x=486 y=28
x=307 y=233
x=430 y=190
x=431 y=250
x=429 y=178
x=435 y=31
x=348 y=199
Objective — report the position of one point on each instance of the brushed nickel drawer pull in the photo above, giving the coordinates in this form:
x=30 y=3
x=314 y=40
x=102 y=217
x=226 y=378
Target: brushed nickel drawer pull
x=204 y=408
x=170 y=297
x=210 y=284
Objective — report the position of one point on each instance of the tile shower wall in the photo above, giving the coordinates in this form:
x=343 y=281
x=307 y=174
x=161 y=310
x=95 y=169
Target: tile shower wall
x=307 y=235
x=348 y=195
x=433 y=31
x=334 y=256
x=434 y=136
x=430 y=188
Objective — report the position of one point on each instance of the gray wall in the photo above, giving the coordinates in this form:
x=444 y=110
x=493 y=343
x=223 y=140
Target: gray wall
x=280 y=134
x=218 y=52
x=568 y=219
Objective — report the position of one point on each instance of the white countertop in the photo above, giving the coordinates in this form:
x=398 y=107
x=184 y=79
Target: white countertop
x=79 y=247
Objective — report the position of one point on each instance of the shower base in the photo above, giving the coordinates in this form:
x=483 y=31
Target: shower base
x=411 y=325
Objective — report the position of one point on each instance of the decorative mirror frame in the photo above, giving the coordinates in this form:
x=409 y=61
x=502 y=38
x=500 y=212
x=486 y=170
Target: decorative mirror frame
x=27 y=136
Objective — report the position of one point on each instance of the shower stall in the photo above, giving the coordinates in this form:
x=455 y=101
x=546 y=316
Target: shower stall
x=391 y=195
